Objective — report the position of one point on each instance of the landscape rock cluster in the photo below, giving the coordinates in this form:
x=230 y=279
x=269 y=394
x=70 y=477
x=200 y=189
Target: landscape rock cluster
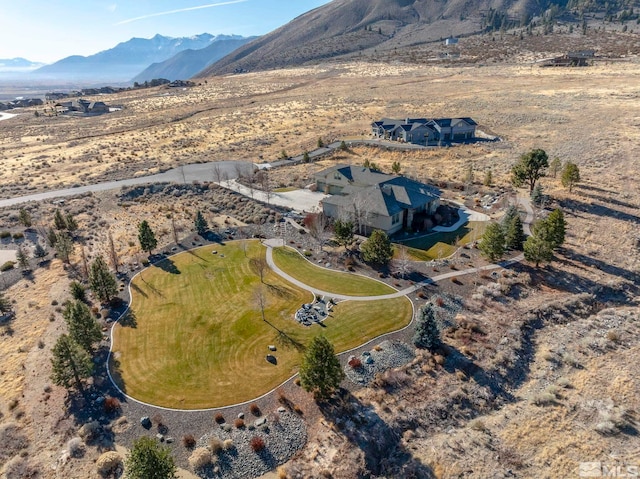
x=387 y=355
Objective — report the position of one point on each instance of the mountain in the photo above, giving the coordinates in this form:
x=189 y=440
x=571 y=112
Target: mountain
x=125 y=60
x=18 y=64
x=344 y=28
x=187 y=63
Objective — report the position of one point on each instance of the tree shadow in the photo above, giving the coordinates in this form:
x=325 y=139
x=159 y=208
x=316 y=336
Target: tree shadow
x=384 y=453
x=129 y=320
x=168 y=266
x=280 y=291
x=588 y=261
x=151 y=287
x=610 y=200
x=287 y=340
x=138 y=289
x=574 y=205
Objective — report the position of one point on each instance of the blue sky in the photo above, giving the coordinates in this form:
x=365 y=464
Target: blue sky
x=46 y=30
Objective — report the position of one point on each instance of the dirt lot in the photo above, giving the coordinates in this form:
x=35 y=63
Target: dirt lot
x=582 y=115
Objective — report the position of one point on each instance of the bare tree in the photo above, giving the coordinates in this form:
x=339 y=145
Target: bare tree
x=259 y=266
x=318 y=226
x=174 y=230
x=265 y=184
x=402 y=265
x=260 y=300
x=244 y=245
x=361 y=212
x=85 y=264
x=113 y=254
x=217 y=172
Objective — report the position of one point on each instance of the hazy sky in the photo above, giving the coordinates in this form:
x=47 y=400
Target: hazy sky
x=47 y=30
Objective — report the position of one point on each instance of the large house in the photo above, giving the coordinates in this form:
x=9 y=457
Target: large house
x=375 y=200
x=425 y=131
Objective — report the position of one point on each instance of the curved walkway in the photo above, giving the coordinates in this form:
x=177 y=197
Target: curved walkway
x=278 y=242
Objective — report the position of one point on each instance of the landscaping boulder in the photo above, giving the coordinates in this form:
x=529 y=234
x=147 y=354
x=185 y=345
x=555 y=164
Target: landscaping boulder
x=145 y=422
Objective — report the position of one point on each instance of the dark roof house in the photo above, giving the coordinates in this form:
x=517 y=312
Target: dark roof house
x=425 y=131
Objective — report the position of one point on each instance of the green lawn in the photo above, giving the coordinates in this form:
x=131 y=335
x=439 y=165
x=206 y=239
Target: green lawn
x=196 y=338
x=441 y=245
x=294 y=264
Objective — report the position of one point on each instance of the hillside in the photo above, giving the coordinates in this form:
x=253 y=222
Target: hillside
x=352 y=27
x=189 y=62
x=123 y=61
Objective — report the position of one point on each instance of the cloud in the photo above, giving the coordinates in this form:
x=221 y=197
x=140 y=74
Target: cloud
x=171 y=12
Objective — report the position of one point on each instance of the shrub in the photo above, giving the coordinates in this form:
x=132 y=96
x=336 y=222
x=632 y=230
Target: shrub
x=219 y=418
x=200 y=458
x=613 y=336
x=5 y=235
x=477 y=425
x=89 y=430
x=257 y=444
x=215 y=445
x=227 y=444
x=239 y=423
x=75 y=446
x=7 y=266
x=189 y=441
x=111 y=405
x=544 y=399
x=255 y=409
x=355 y=363
x=108 y=463
x=18 y=236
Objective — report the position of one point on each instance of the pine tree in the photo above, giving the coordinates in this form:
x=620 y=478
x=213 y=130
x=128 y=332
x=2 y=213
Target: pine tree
x=492 y=243
x=554 y=166
x=514 y=236
x=71 y=223
x=24 y=218
x=201 y=224
x=536 y=195
x=377 y=248
x=320 y=143
x=59 y=221
x=64 y=246
x=570 y=175
x=52 y=238
x=83 y=328
x=343 y=231
x=530 y=168
x=508 y=217
x=552 y=229
x=320 y=371
x=396 y=168
x=488 y=178
x=23 y=259
x=78 y=291
x=71 y=364
x=427 y=335
x=305 y=157
x=39 y=251
x=149 y=460
x=147 y=237
x=537 y=250
x=101 y=281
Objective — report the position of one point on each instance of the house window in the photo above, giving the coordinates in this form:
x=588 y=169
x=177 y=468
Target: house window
x=395 y=219
x=337 y=176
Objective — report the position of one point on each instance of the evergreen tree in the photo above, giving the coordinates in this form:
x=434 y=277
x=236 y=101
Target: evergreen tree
x=77 y=291
x=570 y=175
x=5 y=304
x=554 y=166
x=83 y=328
x=101 y=281
x=71 y=364
x=530 y=168
x=39 y=251
x=514 y=236
x=64 y=246
x=492 y=242
x=147 y=237
x=488 y=178
x=508 y=217
x=536 y=195
x=320 y=371
x=23 y=259
x=52 y=238
x=427 y=335
x=343 y=146
x=343 y=231
x=396 y=168
x=305 y=157
x=377 y=248
x=59 y=221
x=201 y=224
x=24 y=218
x=149 y=460
x=537 y=250
x=71 y=223
x=552 y=229
x=320 y=143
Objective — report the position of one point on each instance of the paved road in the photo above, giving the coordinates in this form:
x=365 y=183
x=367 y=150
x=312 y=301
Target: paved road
x=182 y=174
x=277 y=242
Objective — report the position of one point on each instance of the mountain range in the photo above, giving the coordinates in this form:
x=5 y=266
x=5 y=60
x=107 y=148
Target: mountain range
x=345 y=28
x=18 y=64
x=127 y=59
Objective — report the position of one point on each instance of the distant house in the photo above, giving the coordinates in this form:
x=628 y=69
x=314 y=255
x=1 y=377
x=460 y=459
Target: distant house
x=571 y=59
x=425 y=131
x=81 y=106
x=451 y=41
x=375 y=200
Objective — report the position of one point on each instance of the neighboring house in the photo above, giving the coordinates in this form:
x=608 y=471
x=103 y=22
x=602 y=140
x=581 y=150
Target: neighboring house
x=571 y=59
x=425 y=131
x=82 y=106
x=451 y=41
x=375 y=200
